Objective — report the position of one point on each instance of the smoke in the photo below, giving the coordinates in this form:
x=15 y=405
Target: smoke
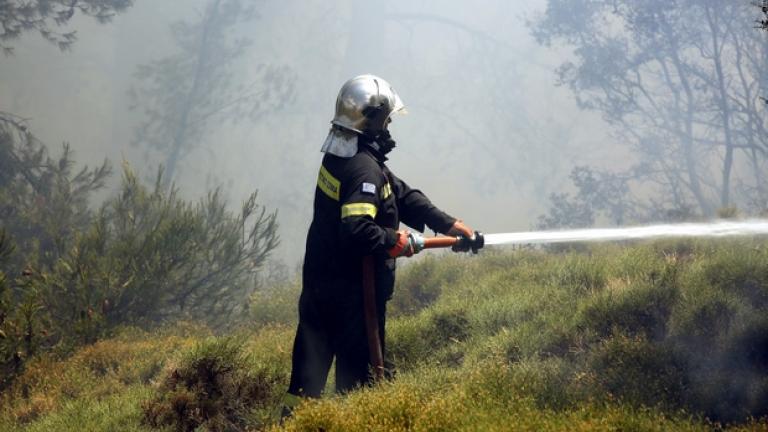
x=484 y=115
x=489 y=135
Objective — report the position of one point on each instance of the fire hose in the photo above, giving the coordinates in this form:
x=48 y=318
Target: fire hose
x=375 y=354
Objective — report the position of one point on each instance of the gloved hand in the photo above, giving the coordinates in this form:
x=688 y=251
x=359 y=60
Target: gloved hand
x=408 y=244
x=460 y=229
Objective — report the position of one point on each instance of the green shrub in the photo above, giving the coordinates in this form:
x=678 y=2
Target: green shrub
x=731 y=383
x=48 y=384
x=490 y=316
x=119 y=412
x=217 y=387
x=580 y=274
x=275 y=304
x=643 y=308
x=703 y=315
x=145 y=257
x=741 y=270
x=639 y=371
x=420 y=284
x=429 y=336
x=546 y=382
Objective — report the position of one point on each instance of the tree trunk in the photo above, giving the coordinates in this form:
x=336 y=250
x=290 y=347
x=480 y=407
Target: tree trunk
x=725 y=114
x=694 y=183
x=180 y=137
x=751 y=113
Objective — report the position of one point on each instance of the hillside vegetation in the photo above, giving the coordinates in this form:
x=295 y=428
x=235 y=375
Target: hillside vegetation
x=653 y=336
x=72 y=272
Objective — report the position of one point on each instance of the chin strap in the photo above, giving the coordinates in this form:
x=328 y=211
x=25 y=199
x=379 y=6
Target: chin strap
x=385 y=142
x=382 y=143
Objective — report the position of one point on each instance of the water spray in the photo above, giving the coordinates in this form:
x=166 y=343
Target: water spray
x=711 y=229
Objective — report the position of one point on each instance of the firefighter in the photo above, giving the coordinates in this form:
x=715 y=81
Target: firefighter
x=358 y=206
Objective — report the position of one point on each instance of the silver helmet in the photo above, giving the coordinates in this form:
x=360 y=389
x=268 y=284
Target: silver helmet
x=365 y=104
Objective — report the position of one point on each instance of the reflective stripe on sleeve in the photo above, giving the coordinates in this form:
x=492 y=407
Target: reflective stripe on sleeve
x=386 y=191
x=358 y=209
x=329 y=184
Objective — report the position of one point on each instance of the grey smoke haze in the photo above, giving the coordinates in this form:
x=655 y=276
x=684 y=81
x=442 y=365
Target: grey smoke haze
x=488 y=135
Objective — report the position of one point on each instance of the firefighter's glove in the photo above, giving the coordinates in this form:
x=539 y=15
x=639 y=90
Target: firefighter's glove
x=460 y=229
x=408 y=244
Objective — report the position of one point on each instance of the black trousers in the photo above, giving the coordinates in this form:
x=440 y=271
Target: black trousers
x=332 y=324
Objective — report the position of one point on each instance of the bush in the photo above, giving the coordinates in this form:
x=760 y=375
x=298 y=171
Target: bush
x=275 y=304
x=704 y=317
x=145 y=257
x=580 y=274
x=642 y=309
x=420 y=284
x=740 y=270
x=729 y=377
x=44 y=202
x=109 y=367
x=414 y=339
x=638 y=371
x=214 y=387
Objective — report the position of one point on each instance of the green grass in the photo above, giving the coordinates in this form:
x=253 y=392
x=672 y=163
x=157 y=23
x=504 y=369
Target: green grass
x=654 y=336
x=120 y=412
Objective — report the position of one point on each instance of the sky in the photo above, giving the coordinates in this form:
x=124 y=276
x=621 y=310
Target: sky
x=488 y=135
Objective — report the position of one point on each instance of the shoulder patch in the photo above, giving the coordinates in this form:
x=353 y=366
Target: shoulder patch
x=369 y=188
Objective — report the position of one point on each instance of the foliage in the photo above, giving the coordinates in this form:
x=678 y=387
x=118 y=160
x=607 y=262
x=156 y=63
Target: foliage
x=47 y=16
x=275 y=304
x=10 y=359
x=648 y=325
x=106 y=370
x=468 y=401
x=598 y=194
x=216 y=386
x=145 y=257
x=150 y=256
x=187 y=97
x=44 y=201
x=679 y=83
x=419 y=286
x=763 y=22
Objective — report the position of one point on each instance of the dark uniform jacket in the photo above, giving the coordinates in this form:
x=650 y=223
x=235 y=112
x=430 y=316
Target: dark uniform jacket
x=359 y=204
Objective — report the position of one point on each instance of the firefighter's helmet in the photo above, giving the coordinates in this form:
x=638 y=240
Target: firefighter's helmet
x=365 y=104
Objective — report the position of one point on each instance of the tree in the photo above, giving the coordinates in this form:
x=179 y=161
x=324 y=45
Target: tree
x=44 y=204
x=677 y=81
x=501 y=128
x=44 y=201
x=50 y=17
x=598 y=195
x=186 y=97
x=70 y=272
x=763 y=21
